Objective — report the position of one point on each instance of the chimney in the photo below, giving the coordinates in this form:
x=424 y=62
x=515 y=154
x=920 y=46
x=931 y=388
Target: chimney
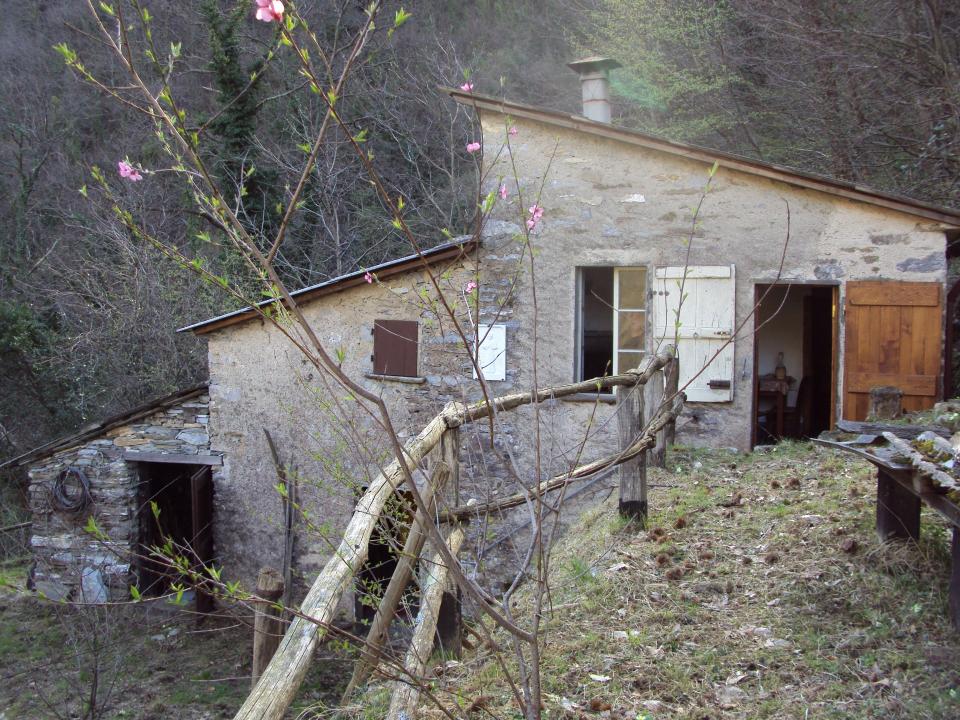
x=595 y=86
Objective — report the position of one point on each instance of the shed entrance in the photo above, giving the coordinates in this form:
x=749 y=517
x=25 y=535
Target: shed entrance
x=383 y=552
x=794 y=361
x=183 y=495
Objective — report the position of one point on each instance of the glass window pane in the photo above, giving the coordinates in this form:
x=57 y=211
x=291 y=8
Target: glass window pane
x=629 y=361
x=631 y=330
x=633 y=288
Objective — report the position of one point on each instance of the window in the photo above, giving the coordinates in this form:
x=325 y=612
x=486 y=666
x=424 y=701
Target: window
x=612 y=319
x=395 y=347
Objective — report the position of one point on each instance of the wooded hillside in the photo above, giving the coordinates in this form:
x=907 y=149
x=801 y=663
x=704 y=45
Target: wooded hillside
x=864 y=91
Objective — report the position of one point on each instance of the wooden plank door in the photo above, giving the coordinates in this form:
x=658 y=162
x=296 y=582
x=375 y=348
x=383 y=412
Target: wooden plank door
x=893 y=337
x=201 y=541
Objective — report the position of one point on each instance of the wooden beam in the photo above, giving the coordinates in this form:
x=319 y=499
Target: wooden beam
x=173 y=458
x=633 y=473
x=403 y=704
x=402 y=574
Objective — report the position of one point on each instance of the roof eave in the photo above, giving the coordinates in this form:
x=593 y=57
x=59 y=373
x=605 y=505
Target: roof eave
x=399 y=266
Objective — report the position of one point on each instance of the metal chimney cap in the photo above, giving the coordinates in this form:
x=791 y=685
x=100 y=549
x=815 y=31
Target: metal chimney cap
x=593 y=64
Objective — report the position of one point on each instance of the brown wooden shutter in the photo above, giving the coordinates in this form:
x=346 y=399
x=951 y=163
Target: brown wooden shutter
x=395 y=347
x=893 y=337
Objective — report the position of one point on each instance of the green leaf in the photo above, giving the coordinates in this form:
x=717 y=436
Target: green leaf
x=83 y=190
x=69 y=56
x=108 y=9
x=306 y=147
x=175 y=48
x=155 y=509
x=400 y=17
x=331 y=97
x=134 y=592
x=713 y=170
x=361 y=137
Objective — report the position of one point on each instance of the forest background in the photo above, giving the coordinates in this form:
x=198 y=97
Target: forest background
x=864 y=91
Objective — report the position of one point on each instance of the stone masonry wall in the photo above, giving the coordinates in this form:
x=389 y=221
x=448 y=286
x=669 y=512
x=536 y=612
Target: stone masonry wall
x=62 y=549
x=607 y=204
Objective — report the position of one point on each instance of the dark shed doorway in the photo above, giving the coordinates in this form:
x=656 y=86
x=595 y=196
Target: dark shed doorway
x=184 y=497
x=795 y=342
x=384 y=550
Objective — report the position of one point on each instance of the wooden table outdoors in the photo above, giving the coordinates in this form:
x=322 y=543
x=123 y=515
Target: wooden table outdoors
x=901 y=489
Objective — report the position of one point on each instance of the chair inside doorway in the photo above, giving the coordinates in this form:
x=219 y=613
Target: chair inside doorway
x=794 y=356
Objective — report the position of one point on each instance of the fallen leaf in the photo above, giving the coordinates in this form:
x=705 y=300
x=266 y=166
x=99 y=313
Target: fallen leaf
x=600 y=678
x=598 y=705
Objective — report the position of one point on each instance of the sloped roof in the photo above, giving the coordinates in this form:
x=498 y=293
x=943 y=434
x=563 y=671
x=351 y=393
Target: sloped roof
x=447 y=251
x=799 y=178
x=88 y=432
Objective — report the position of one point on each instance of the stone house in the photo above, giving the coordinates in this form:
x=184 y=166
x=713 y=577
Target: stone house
x=800 y=293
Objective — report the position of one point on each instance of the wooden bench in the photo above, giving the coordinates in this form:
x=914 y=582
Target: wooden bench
x=901 y=488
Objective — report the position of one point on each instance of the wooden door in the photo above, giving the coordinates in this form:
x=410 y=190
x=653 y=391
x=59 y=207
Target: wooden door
x=893 y=337
x=201 y=541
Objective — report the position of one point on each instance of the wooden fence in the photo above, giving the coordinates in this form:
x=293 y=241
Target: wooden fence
x=277 y=685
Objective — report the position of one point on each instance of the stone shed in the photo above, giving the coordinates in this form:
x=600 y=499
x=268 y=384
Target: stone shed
x=110 y=471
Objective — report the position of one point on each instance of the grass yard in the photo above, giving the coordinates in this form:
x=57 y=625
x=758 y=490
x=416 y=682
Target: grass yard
x=154 y=663
x=759 y=591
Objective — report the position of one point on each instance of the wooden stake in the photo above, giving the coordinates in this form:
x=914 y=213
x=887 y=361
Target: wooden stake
x=670 y=389
x=655 y=395
x=267 y=622
x=387 y=609
x=633 y=473
x=403 y=704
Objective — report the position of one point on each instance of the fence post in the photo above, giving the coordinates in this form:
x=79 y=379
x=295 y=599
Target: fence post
x=268 y=626
x=633 y=473
x=656 y=396
x=450 y=454
x=671 y=387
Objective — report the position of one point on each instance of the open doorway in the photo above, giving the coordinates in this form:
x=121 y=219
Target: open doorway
x=183 y=495
x=383 y=553
x=794 y=361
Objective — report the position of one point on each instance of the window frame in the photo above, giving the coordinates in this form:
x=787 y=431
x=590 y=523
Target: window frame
x=579 y=328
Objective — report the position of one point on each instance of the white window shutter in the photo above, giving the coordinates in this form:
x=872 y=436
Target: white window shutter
x=492 y=355
x=706 y=316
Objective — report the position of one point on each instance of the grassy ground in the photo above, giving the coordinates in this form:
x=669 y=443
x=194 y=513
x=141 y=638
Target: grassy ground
x=760 y=591
x=154 y=663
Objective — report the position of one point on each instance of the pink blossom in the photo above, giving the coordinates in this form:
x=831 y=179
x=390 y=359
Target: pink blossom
x=536 y=212
x=467 y=87
x=503 y=192
x=269 y=10
x=128 y=171
x=473 y=147
x=368 y=276
x=513 y=132
x=470 y=286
